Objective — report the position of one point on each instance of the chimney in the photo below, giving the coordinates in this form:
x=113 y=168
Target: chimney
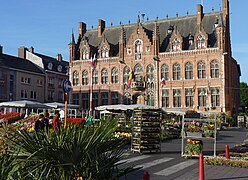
x=59 y=57
x=31 y=49
x=199 y=13
x=81 y=29
x=1 y=50
x=22 y=52
x=101 y=27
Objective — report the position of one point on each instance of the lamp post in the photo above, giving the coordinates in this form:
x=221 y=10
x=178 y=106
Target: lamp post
x=157 y=59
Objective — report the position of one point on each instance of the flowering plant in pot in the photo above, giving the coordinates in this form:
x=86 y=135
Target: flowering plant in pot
x=193 y=147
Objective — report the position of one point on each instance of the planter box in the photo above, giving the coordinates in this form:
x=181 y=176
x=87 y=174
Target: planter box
x=194 y=134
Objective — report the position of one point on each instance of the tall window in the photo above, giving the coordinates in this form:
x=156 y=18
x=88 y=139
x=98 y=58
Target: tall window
x=202 y=95
x=51 y=81
x=24 y=94
x=176 y=72
x=189 y=97
x=138 y=49
x=85 y=54
x=61 y=96
x=95 y=77
x=75 y=98
x=188 y=70
x=215 y=97
x=201 y=42
x=150 y=73
x=85 y=101
x=114 y=75
x=177 y=97
x=104 y=97
x=75 y=78
x=33 y=95
x=138 y=73
x=105 y=53
x=85 y=77
x=165 y=98
x=51 y=95
x=126 y=74
x=104 y=76
x=201 y=70
x=176 y=45
x=95 y=99
x=114 y=97
x=214 y=69
x=165 y=72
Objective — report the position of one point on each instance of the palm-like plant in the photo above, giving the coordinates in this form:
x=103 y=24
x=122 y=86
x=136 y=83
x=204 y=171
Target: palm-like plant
x=74 y=151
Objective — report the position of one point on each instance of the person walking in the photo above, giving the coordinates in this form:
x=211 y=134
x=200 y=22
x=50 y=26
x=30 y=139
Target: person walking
x=38 y=123
x=45 y=122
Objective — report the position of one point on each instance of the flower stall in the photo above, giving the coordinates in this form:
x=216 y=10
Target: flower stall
x=195 y=129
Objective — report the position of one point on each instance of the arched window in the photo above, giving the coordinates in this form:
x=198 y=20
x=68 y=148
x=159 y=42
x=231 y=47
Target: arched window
x=165 y=98
x=95 y=77
x=85 y=54
x=138 y=73
x=105 y=53
x=85 y=78
x=150 y=98
x=176 y=71
x=201 y=70
x=214 y=69
x=75 y=78
x=188 y=70
x=138 y=49
x=150 y=73
x=126 y=74
x=165 y=72
x=177 y=97
x=201 y=44
x=114 y=76
x=176 y=45
x=104 y=76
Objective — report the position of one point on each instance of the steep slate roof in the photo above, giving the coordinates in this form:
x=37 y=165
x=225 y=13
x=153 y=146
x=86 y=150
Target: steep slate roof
x=19 y=63
x=55 y=62
x=185 y=25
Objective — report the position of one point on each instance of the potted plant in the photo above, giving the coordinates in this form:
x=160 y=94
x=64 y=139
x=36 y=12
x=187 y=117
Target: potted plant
x=193 y=147
x=193 y=129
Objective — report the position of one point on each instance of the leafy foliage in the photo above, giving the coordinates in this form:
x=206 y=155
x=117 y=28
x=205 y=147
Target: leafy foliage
x=244 y=94
x=74 y=151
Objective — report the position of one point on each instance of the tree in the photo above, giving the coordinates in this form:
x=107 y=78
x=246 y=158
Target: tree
x=244 y=94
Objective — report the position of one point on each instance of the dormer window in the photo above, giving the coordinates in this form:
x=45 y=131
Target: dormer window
x=85 y=54
x=191 y=40
x=176 y=45
x=170 y=29
x=138 y=49
x=105 y=53
x=201 y=44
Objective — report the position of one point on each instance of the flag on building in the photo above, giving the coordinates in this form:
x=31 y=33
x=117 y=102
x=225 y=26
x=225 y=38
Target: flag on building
x=131 y=76
x=162 y=82
x=93 y=62
x=193 y=89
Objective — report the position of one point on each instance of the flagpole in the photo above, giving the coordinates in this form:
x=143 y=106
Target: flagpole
x=91 y=92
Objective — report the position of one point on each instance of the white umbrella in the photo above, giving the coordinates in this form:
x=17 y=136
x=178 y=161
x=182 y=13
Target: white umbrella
x=57 y=105
x=23 y=104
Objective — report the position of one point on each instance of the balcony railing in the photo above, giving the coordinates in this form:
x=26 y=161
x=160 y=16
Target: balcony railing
x=138 y=85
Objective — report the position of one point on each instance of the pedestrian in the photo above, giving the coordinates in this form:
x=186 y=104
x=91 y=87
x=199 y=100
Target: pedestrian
x=38 y=123
x=56 y=122
x=46 y=121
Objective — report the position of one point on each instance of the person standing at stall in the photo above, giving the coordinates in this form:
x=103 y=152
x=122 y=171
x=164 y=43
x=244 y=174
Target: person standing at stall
x=56 y=122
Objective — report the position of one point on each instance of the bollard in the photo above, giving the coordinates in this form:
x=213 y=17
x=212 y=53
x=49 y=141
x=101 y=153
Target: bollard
x=201 y=168
x=146 y=176
x=227 y=153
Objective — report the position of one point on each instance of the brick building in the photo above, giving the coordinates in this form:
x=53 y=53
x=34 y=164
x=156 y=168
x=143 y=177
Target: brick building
x=177 y=63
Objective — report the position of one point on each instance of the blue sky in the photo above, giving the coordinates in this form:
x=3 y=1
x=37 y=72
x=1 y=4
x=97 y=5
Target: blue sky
x=47 y=24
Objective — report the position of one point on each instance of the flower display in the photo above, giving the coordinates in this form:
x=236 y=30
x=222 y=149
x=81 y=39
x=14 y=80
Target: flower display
x=193 y=127
x=193 y=147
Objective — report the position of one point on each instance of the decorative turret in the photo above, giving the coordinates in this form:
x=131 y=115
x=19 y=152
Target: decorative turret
x=122 y=43
x=156 y=39
x=72 y=48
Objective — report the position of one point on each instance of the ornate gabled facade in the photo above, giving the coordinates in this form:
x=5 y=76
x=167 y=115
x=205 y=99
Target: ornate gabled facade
x=178 y=63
